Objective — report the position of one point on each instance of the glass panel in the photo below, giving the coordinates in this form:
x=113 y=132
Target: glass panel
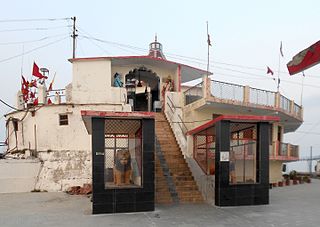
x=123 y=154
x=243 y=158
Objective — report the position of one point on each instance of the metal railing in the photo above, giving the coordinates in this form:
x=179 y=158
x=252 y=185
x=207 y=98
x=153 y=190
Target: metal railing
x=284 y=103
x=172 y=110
x=60 y=93
x=262 y=97
x=225 y=90
x=194 y=93
x=297 y=110
x=294 y=151
x=283 y=149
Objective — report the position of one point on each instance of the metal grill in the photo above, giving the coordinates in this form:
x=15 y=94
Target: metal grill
x=229 y=91
x=294 y=151
x=284 y=103
x=262 y=97
x=194 y=93
x=242 y=163
x=123 y=135
x=283 y=151
x=297 y=110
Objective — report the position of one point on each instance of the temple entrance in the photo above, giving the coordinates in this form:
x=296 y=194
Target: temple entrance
x=142 y=88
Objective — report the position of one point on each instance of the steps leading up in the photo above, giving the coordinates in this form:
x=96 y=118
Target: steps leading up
x=169 y=157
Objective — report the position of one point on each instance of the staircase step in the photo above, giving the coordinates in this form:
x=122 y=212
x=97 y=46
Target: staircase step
x=185 y=185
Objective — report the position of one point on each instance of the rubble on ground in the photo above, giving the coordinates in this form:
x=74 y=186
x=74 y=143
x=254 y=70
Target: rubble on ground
x=86 y=189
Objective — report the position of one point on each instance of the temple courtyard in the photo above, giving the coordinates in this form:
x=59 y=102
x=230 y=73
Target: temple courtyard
x=296 y=205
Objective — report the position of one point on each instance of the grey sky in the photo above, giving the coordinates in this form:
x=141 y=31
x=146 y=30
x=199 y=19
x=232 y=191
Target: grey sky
x=245 y=33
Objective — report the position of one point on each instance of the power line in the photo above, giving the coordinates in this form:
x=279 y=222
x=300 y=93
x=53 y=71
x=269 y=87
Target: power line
x=33 y=29
x=9 y=105
x=32 y=41
x=38 y=19
x=32 y=50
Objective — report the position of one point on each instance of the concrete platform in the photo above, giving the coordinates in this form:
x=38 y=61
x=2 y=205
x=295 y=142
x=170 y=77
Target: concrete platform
x=296 y=205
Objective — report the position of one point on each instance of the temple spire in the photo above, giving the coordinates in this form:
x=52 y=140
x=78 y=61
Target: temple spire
x=155 y=49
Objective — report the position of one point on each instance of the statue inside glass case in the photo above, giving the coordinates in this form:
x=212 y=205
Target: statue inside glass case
x=122 y=170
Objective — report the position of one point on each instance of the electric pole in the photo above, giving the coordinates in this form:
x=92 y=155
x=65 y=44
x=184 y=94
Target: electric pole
x=74 y=36
x=310 y=163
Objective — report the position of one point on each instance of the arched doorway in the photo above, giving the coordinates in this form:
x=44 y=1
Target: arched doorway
x=143 y=88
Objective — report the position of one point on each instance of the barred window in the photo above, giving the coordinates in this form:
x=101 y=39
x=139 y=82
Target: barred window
x=63 y=119
x=123 y=153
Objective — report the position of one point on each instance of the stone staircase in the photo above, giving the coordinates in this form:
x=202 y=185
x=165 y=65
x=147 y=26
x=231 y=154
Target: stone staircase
x=174 y=180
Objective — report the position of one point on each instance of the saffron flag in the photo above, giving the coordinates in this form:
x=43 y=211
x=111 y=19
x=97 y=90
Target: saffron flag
x=269 y=71
x=305 y=59
x=36 y=72
x=51 y=84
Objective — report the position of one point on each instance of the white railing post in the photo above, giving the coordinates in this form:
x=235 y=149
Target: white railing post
x=246 y=94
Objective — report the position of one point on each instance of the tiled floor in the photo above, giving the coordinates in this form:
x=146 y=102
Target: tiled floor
x=296 y=205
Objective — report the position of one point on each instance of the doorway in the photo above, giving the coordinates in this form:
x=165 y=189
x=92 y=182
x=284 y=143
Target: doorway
x=143 y=88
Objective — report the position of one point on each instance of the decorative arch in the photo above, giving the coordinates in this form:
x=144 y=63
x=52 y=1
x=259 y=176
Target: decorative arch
x=146 y=85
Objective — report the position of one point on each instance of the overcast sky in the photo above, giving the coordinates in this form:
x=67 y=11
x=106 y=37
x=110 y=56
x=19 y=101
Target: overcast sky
x=245 y=38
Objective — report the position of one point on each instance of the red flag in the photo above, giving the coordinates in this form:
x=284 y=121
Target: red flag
x=51 y=84
x=24 y=81
x=269 y=71
x=33 y=83
x=305 y=59
x=36 y=72
x=36 y=102
x=32 y=95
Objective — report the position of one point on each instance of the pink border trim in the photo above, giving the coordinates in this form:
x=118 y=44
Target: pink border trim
x=232 y=117
x=91 y=113
x=138 y=57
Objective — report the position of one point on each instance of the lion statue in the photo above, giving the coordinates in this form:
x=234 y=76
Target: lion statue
x=122 y=167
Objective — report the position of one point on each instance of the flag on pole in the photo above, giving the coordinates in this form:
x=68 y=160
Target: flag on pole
x=36 y=72
x=209 y=41
x=51 y=84
x=305 y=59
x=281 y=52
x=269 y=71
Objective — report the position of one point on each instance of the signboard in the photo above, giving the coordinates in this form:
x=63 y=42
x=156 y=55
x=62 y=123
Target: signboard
x=224 y=156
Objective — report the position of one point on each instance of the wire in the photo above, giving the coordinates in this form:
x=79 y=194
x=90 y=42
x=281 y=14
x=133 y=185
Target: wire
x=32 y=41
x=33 y=29
x=32 y=50
x=39 y=19
x=9 y=105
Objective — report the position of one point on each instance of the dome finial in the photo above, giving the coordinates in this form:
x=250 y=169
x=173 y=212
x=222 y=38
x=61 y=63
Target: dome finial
x=155 y=37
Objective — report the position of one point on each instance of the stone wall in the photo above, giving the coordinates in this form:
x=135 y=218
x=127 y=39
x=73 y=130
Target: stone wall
x=62 y=169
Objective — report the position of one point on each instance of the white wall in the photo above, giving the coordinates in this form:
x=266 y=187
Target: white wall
x=18 y=175
x=91 y=83
x=42 y=131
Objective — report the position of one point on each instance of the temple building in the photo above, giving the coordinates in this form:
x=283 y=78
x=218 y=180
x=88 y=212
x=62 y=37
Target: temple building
x=208 y=140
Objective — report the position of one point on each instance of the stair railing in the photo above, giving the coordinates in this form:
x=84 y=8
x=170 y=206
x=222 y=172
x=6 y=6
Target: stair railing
x=172 y=110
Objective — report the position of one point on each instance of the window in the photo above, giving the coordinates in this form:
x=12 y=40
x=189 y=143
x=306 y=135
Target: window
x=123 y=154
x=63 y=119
x=243 y=153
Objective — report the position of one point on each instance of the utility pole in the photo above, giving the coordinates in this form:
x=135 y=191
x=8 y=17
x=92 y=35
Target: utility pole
x=310 y=163
x=74 y=36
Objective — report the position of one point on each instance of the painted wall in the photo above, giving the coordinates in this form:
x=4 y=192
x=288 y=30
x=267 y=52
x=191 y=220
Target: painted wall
x=91 y=83
x=42 y=131
x=275 y=171
x=18 y=175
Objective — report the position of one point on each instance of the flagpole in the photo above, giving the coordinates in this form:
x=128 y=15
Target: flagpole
x=278 y=85
x=208 y=49
x=302 y=83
